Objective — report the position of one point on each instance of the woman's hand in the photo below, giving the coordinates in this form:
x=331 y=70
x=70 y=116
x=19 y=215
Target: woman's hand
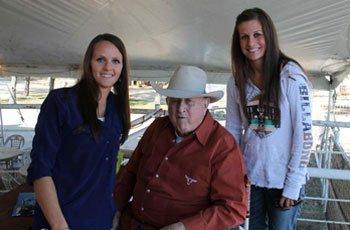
x=285 y=202
x=61 y=226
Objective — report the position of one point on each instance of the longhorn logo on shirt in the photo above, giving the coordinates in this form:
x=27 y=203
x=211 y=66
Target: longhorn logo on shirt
x=190 y=180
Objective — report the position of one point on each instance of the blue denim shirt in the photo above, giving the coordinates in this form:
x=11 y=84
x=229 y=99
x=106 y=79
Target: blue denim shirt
x=82 y=169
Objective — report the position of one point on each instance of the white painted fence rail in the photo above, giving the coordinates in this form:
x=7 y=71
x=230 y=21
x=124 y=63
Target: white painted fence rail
x=335 y=174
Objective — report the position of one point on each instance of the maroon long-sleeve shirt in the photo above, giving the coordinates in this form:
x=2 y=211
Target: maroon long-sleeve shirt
x=199 y=181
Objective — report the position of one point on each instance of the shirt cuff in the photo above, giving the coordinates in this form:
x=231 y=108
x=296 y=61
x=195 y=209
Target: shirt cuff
x=36 y=171
x=291 y=191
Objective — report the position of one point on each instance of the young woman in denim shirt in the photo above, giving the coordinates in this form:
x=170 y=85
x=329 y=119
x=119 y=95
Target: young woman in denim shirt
x=77 y=138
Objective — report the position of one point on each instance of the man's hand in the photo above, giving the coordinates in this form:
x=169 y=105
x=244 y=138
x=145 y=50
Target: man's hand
x=175 y=226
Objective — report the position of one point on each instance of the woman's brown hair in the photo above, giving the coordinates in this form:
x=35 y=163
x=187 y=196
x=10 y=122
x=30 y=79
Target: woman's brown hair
x=274 y=59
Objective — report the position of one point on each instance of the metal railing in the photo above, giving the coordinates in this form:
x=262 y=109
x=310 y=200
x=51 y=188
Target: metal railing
x=323 y=156
x=326 y=174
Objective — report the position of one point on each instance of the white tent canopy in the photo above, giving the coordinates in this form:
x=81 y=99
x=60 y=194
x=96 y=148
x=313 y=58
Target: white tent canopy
x=50 y=36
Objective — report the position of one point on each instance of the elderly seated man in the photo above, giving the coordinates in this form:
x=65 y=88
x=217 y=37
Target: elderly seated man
x=187 y=171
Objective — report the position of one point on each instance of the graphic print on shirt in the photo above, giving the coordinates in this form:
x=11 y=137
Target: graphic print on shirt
x=262 y=119
x=190 y=180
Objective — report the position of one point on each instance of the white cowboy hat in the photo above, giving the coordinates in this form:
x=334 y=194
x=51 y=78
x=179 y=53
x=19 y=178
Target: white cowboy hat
x=188 y=82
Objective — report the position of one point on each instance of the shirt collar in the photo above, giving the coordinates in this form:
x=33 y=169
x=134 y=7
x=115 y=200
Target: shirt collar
x=178 y=138
x=203 y=131
x=110 y=110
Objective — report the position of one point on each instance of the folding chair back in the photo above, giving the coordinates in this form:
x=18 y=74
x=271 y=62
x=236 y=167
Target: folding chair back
x=15 y=141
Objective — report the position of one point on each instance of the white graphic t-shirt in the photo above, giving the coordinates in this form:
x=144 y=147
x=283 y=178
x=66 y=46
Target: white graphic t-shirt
x=262 y=119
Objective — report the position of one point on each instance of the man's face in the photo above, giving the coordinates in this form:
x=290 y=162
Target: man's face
x=187 y=114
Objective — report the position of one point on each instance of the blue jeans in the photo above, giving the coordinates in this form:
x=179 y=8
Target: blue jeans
x=264 y=212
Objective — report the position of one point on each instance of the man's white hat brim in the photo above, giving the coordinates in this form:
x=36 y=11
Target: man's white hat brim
x=175 y=93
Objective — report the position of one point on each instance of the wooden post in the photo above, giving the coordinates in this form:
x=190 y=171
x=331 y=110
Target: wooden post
x=26 y=87
x=52 y=83
x=157 y=100
x=2 y=140
x=13 y=86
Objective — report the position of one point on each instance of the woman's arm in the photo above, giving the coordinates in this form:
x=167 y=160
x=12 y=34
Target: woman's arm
x=299 y=97
x=46 y=196
x=46 y=144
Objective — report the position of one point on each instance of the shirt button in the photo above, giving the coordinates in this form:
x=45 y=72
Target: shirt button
x=107 y=158
x=157 y=175
x=107 y=142
x=166 y=158
x=148 y=190
x=142 y=209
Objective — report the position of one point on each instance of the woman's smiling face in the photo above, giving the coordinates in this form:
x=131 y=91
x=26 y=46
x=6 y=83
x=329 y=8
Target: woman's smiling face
x=106 y=64
x=252 y=40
